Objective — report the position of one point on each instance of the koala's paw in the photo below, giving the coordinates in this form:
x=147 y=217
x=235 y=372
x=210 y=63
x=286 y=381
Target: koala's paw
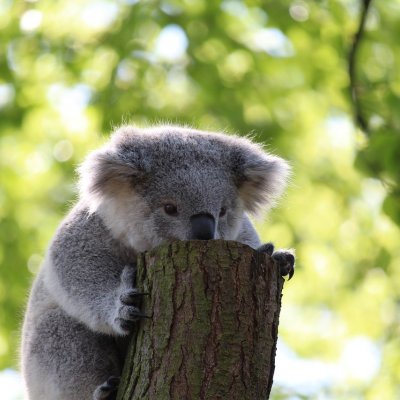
x=128 y=302
x=267 y=248
x=284 y=258
x=107 y=390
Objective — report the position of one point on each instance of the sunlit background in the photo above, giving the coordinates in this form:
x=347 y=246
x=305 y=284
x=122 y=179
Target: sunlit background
x=70 y=71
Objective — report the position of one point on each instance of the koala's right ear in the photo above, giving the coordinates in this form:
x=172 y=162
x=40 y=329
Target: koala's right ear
x=103 y=174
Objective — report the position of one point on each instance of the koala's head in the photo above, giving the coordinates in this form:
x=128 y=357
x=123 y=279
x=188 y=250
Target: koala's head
x=171 y=183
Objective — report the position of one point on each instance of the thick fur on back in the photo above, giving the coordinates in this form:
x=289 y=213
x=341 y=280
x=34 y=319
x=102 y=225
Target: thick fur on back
x=79 y=304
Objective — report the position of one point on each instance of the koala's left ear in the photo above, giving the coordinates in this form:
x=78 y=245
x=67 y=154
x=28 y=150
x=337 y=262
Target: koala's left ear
x=260 y=177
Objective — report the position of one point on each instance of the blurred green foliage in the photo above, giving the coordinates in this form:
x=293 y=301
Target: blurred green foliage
x=71 y=71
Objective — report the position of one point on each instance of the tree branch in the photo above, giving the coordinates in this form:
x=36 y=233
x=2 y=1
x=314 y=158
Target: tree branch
x=360 y=118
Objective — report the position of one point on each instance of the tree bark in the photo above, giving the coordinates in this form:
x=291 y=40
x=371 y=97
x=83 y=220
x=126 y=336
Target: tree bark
x=214 y=309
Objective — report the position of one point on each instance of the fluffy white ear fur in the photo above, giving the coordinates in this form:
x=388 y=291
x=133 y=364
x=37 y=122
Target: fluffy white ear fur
x=103 y=174
x=263 y=177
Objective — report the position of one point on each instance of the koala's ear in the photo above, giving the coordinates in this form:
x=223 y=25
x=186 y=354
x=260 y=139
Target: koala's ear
x=105 y=173
x=259 y=176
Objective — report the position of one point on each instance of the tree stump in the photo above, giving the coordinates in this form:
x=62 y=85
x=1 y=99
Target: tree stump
x=214 y=308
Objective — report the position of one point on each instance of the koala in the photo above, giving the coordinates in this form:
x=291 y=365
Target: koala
x=145 y=187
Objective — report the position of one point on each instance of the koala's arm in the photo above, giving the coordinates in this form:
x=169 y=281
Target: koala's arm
x=247 y=234
x=87 y=274
x=285 y=259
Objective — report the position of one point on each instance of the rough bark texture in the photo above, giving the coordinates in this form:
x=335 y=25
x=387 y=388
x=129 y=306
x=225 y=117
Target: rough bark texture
x=215 y=309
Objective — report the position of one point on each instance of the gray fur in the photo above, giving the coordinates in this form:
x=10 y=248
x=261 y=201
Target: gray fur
x=78 y=314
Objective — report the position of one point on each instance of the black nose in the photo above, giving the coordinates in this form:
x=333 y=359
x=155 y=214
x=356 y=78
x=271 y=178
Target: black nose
x=203 y=226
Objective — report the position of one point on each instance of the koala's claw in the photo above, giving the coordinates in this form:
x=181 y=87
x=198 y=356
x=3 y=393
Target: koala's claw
x=267 y=248
x=125 y=324
x=127 y=316
x=284 y=258
x=128 y=302
x=132 y=296
x=107 y=390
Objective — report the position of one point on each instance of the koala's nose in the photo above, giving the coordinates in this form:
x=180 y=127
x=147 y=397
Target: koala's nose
x=203 y=226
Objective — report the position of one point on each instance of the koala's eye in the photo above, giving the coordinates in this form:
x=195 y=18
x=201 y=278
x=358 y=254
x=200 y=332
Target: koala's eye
x=222 y=212
x=171 y=209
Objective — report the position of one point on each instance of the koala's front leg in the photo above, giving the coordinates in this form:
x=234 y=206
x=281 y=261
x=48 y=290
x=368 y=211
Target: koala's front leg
x=127 y=310
x=284 y=258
